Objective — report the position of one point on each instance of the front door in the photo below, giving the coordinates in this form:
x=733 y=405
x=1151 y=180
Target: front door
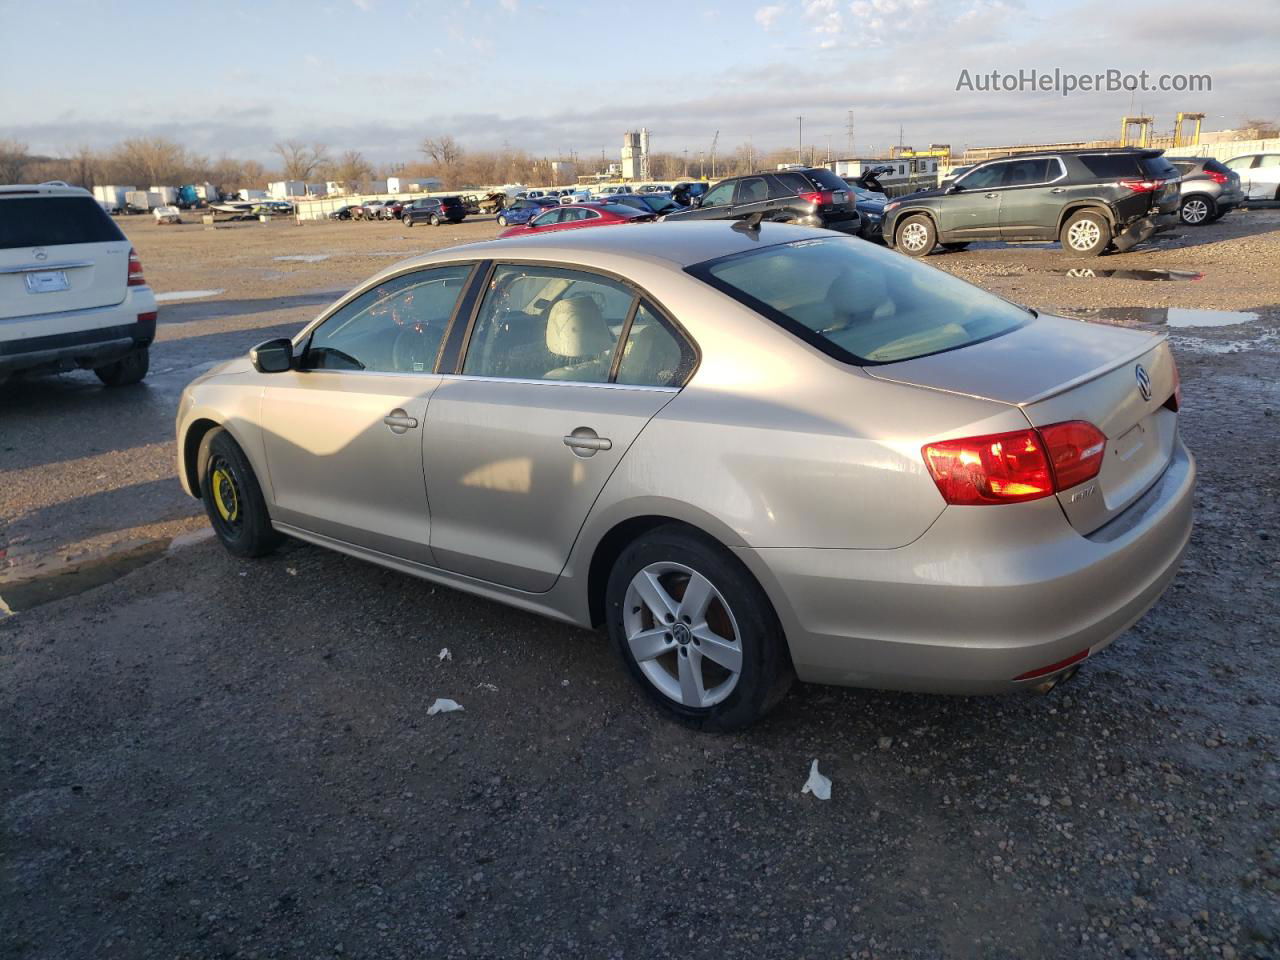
x=343 y=433
x=973 y=211
x=563 y=370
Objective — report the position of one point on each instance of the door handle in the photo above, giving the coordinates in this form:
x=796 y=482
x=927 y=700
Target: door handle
x=399 y=421
x=1058 y=190
x=991 y=196
x=588 y=443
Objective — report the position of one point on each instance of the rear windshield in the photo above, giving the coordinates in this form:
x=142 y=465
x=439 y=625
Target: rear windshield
x=51 y=221
x=452 y=201
x=1158 y=167
x=1216 y=167
x=859 y=303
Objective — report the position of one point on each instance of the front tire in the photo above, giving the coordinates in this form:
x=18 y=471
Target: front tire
x=502 y=221
x=233 y=498
x=1196 y=211
x=408 y=220
x=127 y=370
x=1085 y=234
x=916 y=236
x=696 y=631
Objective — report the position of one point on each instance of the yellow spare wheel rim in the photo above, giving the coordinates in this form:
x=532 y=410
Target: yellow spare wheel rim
x=225 y=497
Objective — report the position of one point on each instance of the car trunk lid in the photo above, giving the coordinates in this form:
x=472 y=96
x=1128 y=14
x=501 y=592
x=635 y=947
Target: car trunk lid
x=58 y=253
x=1056 y=370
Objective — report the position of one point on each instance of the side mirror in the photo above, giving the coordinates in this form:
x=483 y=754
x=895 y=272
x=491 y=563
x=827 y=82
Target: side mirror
x=955 y=188
x=272 y=356
x=695 y=202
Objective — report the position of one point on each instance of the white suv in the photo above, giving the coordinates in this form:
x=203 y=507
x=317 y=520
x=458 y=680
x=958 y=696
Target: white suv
x=72 y=292
x=1259 y=175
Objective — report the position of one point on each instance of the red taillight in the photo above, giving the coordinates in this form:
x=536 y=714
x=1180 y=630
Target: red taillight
x=818 y=197
x=1142 y=186
x=997 y=468
x=1216 y=177
x=149 y=317
x=1017 y=466
x=136 y=277
x=1075 y=450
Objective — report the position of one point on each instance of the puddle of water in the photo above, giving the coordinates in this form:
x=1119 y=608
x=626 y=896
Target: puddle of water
x=1166 y=316
x=1155 y=275
x=187 y=295
x=26 y=594
x=305 y=257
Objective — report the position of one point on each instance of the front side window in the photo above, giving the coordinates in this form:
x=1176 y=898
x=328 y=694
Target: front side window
x=859 y=303
x=721 y=196
x=1269 y=160
x=396 y=327
x=983 y=178
x=547 y=323
x=1240 y=163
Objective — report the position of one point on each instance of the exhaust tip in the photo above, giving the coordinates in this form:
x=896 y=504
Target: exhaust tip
x=1057 y=680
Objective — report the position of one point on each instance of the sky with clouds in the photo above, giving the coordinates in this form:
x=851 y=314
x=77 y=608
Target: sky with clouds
x=572 y=75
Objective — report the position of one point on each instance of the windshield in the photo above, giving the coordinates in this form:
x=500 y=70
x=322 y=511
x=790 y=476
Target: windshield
x=860 y=303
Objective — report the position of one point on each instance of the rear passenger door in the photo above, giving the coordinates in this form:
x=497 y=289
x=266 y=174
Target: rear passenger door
x=561 y=370
x=752 y=196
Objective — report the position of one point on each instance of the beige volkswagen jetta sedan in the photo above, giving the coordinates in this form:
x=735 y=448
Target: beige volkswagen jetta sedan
x=751 y=455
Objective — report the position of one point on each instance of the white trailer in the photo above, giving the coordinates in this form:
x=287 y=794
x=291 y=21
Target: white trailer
x=247 y=194
x=207 y=192
x=112 y=197
x=168 y=195
x=284 y=189
x=138 y=200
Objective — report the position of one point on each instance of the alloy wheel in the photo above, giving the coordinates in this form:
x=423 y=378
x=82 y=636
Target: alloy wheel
x=682 y=634
x=1195 y=211
x=1084 y=235
x=914 y=236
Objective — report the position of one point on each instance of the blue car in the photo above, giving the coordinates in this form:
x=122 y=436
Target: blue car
x=870 y=206
x=522 y=210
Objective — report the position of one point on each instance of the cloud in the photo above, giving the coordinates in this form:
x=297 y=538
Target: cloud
x=364 y=6
x=766 y=16
x=509 y=5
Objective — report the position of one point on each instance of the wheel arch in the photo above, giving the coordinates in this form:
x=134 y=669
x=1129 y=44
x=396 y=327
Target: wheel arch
x=904 y=215
x=197 y=430
x=1095 y=206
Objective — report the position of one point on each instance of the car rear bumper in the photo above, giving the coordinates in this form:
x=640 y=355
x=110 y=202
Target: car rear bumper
x=1134 y=233
x=982 y=598
x=79 y=338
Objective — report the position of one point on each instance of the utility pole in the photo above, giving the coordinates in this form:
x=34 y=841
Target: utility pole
x=686 y=161
x=848 y=129
x=800 y=143
x=828 y=148
x=714 y=141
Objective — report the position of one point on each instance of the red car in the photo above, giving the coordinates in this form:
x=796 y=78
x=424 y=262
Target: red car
x=574 y=216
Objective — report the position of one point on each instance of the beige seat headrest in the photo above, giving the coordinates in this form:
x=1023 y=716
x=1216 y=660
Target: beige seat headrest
x=577 y=328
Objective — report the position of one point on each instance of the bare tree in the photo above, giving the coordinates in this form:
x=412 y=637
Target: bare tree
x=151 y=160
x=352 y=168
x=301 y=162
x=444 y=155
x=13 y=160
x=1259 y=129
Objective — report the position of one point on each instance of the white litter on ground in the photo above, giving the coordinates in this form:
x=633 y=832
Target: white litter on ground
x=491 y=687
x=305 y=257
x=444 y=654
x=291 y=571
x=817 y=784
x=186 y=295
x=443 y=705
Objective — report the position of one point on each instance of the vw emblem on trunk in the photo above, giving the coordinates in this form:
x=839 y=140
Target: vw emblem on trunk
x=1144 y=381
x=39 y=253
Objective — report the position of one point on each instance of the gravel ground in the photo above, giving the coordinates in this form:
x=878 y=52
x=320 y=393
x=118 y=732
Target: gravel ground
x=210 y=758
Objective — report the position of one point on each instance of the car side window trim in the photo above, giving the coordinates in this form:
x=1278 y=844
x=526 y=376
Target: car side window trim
x=639 y=294
x=623 y=335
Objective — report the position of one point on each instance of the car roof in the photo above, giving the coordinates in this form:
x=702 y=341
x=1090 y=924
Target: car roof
x=52 y=188
x=672 y=244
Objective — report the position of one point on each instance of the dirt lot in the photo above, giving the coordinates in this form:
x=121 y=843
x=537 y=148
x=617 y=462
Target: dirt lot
x=205 y=757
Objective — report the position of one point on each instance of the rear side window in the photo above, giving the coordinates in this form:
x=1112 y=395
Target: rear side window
x=52 y=221
x=861 y=304
x=1109 y=166
x=793 y=184
x=654 y=356
x=826 y=180
x=451 y=202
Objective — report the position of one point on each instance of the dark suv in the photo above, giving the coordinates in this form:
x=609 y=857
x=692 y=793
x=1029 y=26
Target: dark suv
x=1088 y=200
x=814 y=198
x=434 y=210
